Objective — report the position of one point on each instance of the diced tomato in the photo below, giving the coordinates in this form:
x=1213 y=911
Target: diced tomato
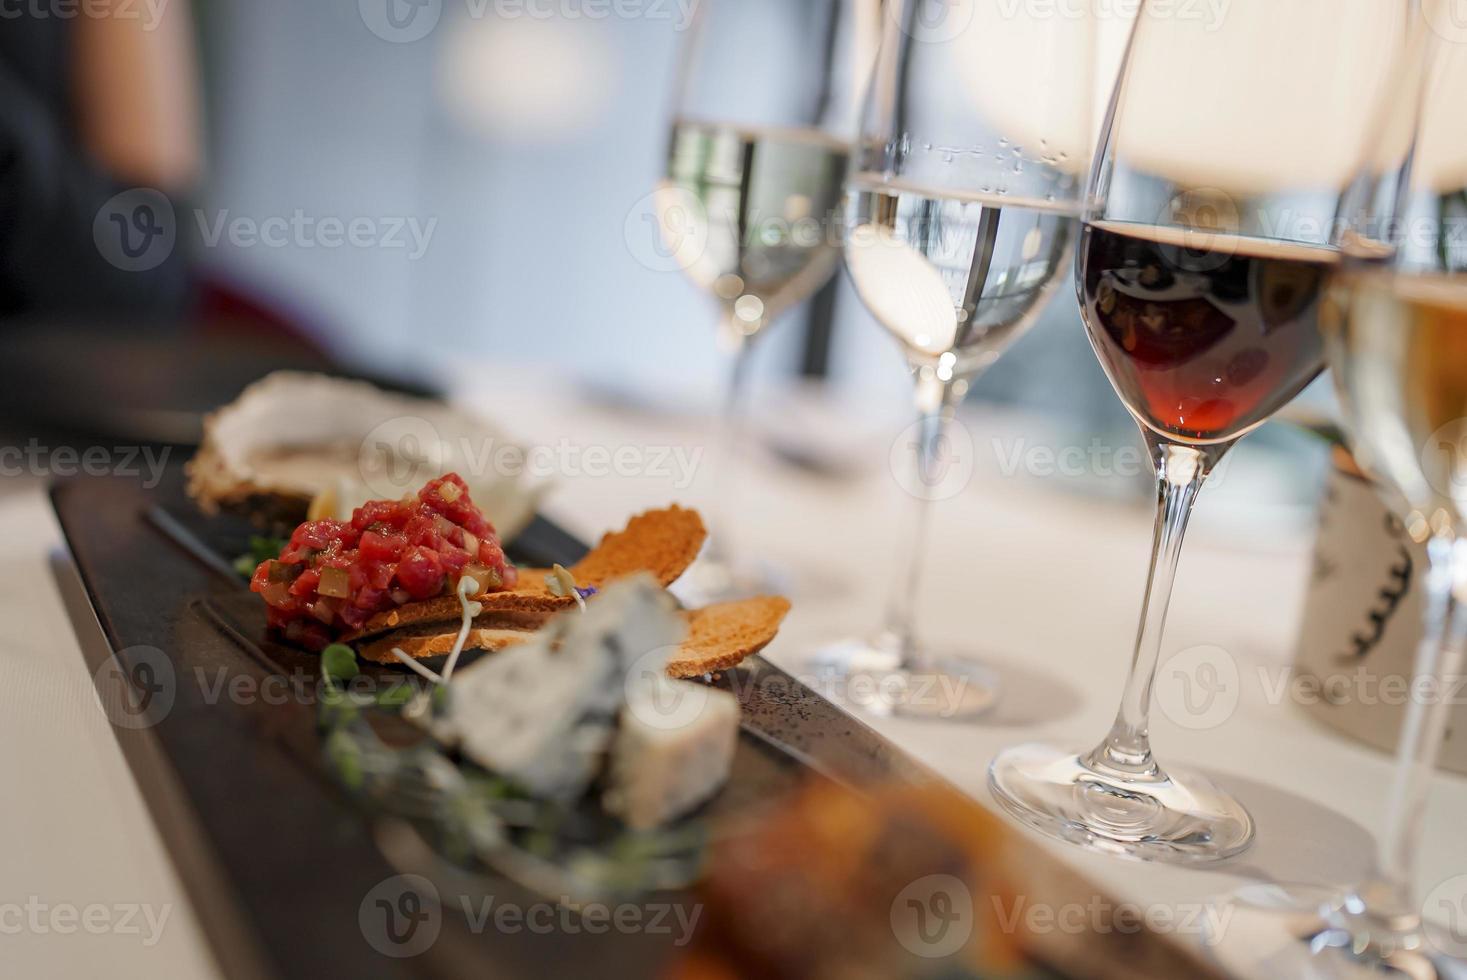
x=421 y=572
x=381 y=547
x=392 y=550
x=306 y=583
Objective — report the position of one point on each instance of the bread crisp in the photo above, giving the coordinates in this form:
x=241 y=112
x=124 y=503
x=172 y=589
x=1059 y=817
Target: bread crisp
x=719 y=637
x=660 y=542
x=426 y=646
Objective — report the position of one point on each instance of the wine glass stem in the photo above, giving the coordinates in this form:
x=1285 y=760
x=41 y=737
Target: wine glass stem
x=1181 y=473
x=727 y=442
x=935 y=410
x=1386 y=897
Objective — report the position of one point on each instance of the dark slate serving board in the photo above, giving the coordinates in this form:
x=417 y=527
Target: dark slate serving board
x=279 y=863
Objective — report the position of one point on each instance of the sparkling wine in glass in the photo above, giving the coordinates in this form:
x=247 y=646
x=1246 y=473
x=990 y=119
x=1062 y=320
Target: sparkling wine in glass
x=749 y=206
x=1203 y=267
x=1396 y=332
x=963 y=200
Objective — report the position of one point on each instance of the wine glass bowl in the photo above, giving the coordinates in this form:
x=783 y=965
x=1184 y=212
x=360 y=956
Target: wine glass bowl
x=962 y=201
x=954 y=278
x=758 y=205
x=749 y=203
x=1400 y=351
x=1204 y=337
x=1396 y=331
x=1203 y=268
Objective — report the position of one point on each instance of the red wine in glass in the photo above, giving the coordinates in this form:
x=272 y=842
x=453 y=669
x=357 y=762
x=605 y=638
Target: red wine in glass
x=1203 y=335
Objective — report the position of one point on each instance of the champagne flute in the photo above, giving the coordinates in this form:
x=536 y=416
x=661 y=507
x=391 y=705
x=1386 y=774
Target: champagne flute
x=749 y=206
x=1396 y=332
x=963 y=199
x=1201 y=271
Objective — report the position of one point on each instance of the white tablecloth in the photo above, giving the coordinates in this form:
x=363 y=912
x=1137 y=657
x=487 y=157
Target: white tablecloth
x=1045 y=584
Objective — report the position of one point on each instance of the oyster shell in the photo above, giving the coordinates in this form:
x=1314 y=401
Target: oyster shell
x=295 y=445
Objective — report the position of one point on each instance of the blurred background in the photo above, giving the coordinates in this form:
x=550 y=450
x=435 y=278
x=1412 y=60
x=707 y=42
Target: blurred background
x=403 y=186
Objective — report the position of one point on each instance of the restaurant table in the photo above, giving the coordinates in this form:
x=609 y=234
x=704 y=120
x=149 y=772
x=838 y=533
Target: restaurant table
x=1042 y=581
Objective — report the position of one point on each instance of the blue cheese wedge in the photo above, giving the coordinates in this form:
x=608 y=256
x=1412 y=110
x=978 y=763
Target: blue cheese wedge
x=673 y=750
x=543 y=714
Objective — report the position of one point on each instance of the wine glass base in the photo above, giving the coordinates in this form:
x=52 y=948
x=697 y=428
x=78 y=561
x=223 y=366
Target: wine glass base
x=872 y=678
x=1173 y=817
x=1302 y=931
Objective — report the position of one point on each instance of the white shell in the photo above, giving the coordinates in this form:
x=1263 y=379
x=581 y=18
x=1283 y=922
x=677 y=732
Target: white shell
x=334 y=444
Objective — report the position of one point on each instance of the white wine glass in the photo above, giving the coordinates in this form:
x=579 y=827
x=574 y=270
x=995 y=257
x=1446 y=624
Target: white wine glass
x=767 y=97
x=962 y=203
x=1396 y=336
x=1201 y=269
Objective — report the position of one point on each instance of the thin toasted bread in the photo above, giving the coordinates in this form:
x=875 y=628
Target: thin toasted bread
x=721 y=636
x=490 y=631
x=660 y=542
x=427 y=646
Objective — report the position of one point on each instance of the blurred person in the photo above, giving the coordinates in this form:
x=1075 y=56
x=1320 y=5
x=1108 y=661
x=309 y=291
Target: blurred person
x=97 y=100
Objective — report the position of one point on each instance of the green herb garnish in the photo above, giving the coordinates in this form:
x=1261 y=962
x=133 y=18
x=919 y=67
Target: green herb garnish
x=339 y=664
x=261 y=549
